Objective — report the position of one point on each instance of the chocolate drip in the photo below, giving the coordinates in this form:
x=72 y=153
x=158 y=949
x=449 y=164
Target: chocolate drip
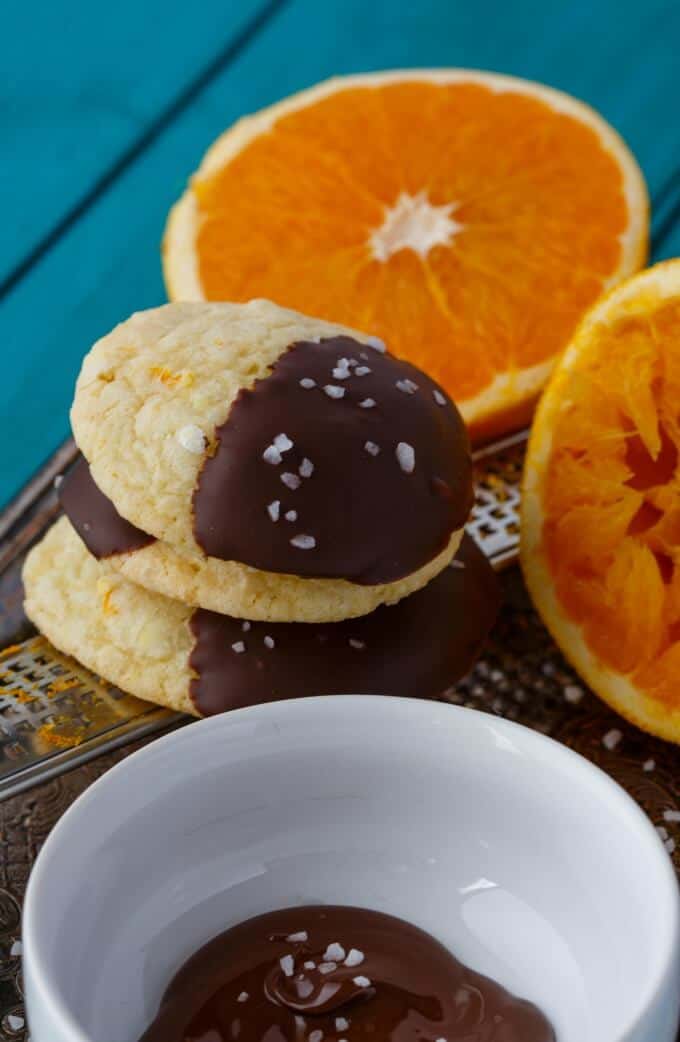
x=418 y=647
x=94 y=516
x=367 y=511
x=406 y=988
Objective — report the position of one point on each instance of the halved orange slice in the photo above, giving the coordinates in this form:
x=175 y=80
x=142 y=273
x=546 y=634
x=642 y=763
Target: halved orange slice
x=468 y=219
x=601 y=501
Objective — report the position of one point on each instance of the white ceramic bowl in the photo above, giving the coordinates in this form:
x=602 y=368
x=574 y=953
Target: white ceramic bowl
x=528 y=862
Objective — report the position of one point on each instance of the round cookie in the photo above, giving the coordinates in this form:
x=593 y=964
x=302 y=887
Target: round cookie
x=256 y=436
x=223 y=586
x=203 y=663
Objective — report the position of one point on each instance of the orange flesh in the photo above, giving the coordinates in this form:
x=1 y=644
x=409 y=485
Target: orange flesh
x=540 y=202
x=612 y=500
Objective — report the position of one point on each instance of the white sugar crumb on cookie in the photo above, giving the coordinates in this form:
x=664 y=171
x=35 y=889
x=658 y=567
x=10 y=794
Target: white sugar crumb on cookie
x=612 y=739
x=192 y=438
x=406 y=457
x=303 y=542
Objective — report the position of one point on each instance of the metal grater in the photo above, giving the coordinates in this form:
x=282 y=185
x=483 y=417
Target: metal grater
x=55 y=714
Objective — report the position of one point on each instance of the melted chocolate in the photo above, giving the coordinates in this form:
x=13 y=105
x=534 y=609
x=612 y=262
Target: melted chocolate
x=407 y=987
x=418 y=647
x=370 y=519
x=94 y=516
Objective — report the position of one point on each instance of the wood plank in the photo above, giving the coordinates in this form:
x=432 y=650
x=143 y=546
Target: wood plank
x=108 y=265
x=78 y=93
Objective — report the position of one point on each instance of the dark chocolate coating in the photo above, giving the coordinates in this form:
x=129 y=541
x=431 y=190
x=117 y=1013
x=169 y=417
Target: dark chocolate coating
x=94 y=516
x=418 y=647
x=417 y=990
x=372 y=521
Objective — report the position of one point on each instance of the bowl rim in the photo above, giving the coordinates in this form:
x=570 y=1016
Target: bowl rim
x=39 y=880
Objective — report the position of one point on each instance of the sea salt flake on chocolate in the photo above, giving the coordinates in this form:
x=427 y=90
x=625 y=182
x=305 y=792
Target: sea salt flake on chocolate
x=362 y=370
x=309 y=965
x=274 y=509
x=341 y=1024
x=407 y=386
x=239 y=647
x=291 y=515
x=458 y=565
x=406 y=457
x=355 y=957
x=341 y=372
x=672 y=815
x=269 y=642
x=304 y=988
x=303 y=542
x=243 y=997
x=648 y=766
x=245 y=626
x=282 y=442
x=58 y=480
x=362 y=982
x=315 y=1036
x=377 y=344
x=301 y=936
x=306 y=468
x=358 y=644
x=371 y=448
x=662 y=832
x=307 y=383
x=192 y=439
x=670 y=845
x=334 y=392
x=16 y=949
x=438 y=397
x=291 y=481
x=612 y=739
x=573 y=694
x=15 y=1023
x=334 y=952
x=368 y=403
x=272 y=455
x=287 y=964
x=327 y=967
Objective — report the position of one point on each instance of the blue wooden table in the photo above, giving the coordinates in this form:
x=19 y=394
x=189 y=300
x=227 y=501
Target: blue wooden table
x=106 y=110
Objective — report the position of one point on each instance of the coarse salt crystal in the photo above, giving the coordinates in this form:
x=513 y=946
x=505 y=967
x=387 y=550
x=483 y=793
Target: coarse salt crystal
x=269 y=642
x=301 y=936
x=438 y=397
x=406 y=457
x=274 y=509
x=15 y=1023
x=334 y=392
x=573 y=693
x=362 y=982
x=239 y=647
x=612 y=739
x=354 y=957
x=307 y=383
x=306 y=468
x=334 y=952
x=291 y=481
x=58 y=480
x=663 y=832
x=358 y=644
x=245 y=626
x=191 y=438
x=315 y=1036
x=368 y=403
x=371 y=448
x=291 y=515
x=287 y=964
x=309 y=965
x=272 y=455
x=303 y=542
x=327 y=967
x=407 y=386
x=455 y=563
x=282 y=442
x=672 y=815
x=243 y=997
x=341 y=372
x=377 y=344
x=670 y=845
x=648 y=766
x=341 y=1024
x=16 y=949
x=362 y=370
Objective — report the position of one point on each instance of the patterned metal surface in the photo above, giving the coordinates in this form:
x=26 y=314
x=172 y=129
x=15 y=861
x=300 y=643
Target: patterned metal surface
x=45 y=698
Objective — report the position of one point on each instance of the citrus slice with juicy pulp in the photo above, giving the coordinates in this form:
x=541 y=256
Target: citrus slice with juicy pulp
x=601 y=501
x=467 y=219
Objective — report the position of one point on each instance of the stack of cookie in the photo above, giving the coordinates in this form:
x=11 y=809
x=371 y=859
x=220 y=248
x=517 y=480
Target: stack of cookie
x=267 y=506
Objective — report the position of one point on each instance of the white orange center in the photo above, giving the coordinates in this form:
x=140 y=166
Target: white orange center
x=414 y=223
